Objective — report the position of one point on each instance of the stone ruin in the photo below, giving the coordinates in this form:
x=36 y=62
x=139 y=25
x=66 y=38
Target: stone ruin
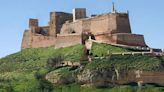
x=67 y=29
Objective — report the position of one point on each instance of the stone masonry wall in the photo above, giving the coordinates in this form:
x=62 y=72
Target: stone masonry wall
x=27 y=39
x=86 y=25
x=99 y=24
x=60 y=19
x=113 y=23
x=31 y=40
x=67 y=40
x=33 y=23
x=105 y=38
x=130 y=39
x=123 y=24
x=69 y=28
x=42 y=41
x=79 y=13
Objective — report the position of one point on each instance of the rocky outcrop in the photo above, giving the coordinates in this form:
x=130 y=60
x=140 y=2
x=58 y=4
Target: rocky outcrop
x=58 y=78
x=108 y=77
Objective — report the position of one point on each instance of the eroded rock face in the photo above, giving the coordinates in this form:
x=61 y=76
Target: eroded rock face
x=156 y=77
x=95 y=78
x=107 y=77
x=57 y=78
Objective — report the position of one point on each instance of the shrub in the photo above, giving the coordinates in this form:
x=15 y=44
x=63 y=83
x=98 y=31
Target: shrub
x=55 y=61
x=44 y=85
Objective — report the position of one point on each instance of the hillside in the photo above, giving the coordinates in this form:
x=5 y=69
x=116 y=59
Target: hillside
x=30 y=69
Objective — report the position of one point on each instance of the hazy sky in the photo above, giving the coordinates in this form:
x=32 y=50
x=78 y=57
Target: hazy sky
x=146 y=17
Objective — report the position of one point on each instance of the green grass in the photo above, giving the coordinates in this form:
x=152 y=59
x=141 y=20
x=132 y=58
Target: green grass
x=64 y=71
x=117 y=88
x=18 y=70
x=105 y=49
x=72 y=53
x=141 y=62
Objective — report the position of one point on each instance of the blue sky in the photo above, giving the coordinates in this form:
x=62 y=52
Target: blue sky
x=146 y=17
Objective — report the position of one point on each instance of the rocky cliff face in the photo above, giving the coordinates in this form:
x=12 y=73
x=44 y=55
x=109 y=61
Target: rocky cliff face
x=108 y=77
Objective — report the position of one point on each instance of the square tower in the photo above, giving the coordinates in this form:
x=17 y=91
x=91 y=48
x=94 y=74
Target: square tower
x=79 y=13
x=33 y=23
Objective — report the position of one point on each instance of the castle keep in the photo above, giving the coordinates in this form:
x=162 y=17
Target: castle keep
x=67 y=29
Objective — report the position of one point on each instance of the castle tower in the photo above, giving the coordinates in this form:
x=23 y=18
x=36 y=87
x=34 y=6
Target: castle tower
x=33 y=23
x=79 y=13
x=57 y=19
x=52 y=24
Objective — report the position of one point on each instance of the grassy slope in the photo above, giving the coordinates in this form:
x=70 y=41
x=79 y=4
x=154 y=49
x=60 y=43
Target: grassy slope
x=105 y=49
x=117 y=88
x=17 y=71
x=142 y=62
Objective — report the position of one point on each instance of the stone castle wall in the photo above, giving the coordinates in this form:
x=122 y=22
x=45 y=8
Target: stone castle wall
x=42 y=41
x=130 y=39
x=68 y=40
x=73 y=27
x=113 y=23
x=105 y=38
x=61 y=18
x=95 y=25
x=65 y=29
x=123 y=24
x=31 y=40
x=100 y=24
x=27 y=39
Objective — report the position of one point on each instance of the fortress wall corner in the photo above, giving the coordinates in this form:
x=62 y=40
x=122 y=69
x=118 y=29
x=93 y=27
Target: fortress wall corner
x=27 y=39
x=123 y=23
x=130 y=39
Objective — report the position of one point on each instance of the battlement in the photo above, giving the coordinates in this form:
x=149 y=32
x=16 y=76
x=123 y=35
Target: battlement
x=66 y=29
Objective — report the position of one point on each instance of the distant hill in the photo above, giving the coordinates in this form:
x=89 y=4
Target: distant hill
x=48 y=70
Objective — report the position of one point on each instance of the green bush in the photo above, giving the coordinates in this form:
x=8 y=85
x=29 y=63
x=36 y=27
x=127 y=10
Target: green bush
x=5 y=87
x=54 y=62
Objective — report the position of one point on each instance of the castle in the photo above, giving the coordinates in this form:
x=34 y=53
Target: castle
x=67 y=29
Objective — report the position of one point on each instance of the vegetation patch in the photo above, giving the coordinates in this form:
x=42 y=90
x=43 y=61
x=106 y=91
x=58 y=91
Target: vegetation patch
x=64 y=71
x=117 y=88
x=72 y=53
x=141 y=62
x=28 y=67
x=100 y=49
